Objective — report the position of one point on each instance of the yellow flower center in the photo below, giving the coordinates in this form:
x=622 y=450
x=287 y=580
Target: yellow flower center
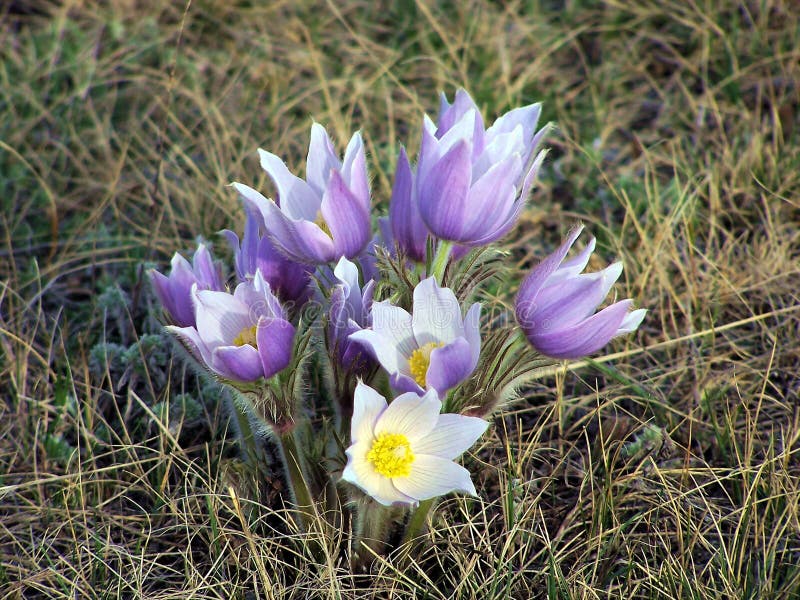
x=320 y=222
x=391 y=455
x=420 y=360
x=246 y=336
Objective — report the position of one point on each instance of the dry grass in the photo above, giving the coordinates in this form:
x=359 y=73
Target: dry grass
x=670 y=470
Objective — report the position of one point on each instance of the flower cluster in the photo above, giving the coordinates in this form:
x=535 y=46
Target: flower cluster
x=322 y=311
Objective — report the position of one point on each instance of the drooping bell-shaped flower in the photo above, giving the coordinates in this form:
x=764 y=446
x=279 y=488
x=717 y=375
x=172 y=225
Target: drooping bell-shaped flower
x=242 y=336
x=288 y=279
x=473 y=182
x=324 y=217
x=435 y=348
x=174 y=291
x=403 y=452
x=350 y=311
x=556 y=304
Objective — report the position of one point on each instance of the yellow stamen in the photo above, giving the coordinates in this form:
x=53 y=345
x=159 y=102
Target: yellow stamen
x=320 y=222
x=246 y=336
x=391 y=455
x=420 y=360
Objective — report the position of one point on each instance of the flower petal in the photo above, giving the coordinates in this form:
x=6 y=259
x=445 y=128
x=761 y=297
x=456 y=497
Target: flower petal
x=452 y=436
x=450 y=365
x=381 y=348
x=322 y=159
x=275 y=338
x=191 y=340
x=573 y=300
x=220 y=317
x=631 y=321
x=395 y=325
x=240 y=363
x=295 y=197
x=586 y=337
x=450 y=114
x=354 y=170
x=408 y=229
x=300 y=240
x=472 y=330
x=491 y=201
x=575 y=265
x=437 y=314
x=533 y=283
x=401 y=383
x=410 y=415
x=367 y=407
x=444 y=192
x=525 y=116
x=346 y=217
x=532 y=172
x=433 y=476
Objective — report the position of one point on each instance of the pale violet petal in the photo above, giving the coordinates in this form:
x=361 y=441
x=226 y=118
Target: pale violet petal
x=410 y=415
x=472 y=330
x=631 y=321
x=382 y=349
x=437 y=314
x=432 y=476
x=367 y=407
x=295 y=197
x=582 y=339
x=322 y=159
x=239 y=363
x=450 y=365
x=451 y=437
x=394 y=324
x=220 y=317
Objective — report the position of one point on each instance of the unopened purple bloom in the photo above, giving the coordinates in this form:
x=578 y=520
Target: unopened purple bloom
x=242 y=336
x=174 y=291
x=473 y=182
x=349 y=312
x=436 y=348
x=288 y=279
x=324 y=217
x=556 y=305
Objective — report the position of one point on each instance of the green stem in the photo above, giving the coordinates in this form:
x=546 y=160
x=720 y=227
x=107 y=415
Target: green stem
x=417 y=521
x=440 y=260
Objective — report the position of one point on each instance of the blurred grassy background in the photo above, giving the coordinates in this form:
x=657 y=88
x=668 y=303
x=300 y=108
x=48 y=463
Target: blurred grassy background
x=670 y=470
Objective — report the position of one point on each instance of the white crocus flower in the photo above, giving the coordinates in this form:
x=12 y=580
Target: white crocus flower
x=403 y=452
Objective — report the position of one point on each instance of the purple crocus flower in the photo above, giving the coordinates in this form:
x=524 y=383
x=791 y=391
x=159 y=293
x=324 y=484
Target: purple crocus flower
x=242 y=336
x=174 y=291
x=472 y=183
x=324 y=217
x=556 y=305
x=350 y=307
x=436 y=348
x=287 y=278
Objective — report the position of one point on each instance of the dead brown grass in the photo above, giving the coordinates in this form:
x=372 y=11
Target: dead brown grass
x=669 y=470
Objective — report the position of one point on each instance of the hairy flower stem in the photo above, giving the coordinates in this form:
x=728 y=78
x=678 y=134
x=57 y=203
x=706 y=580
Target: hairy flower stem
x=372 y=526
x=440 y=260
x=298 y=476
x=251 y=451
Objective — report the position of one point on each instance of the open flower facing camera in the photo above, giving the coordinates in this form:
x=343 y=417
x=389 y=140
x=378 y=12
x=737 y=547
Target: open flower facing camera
x=321 y=312
x=435 y=348
x=403 y=452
